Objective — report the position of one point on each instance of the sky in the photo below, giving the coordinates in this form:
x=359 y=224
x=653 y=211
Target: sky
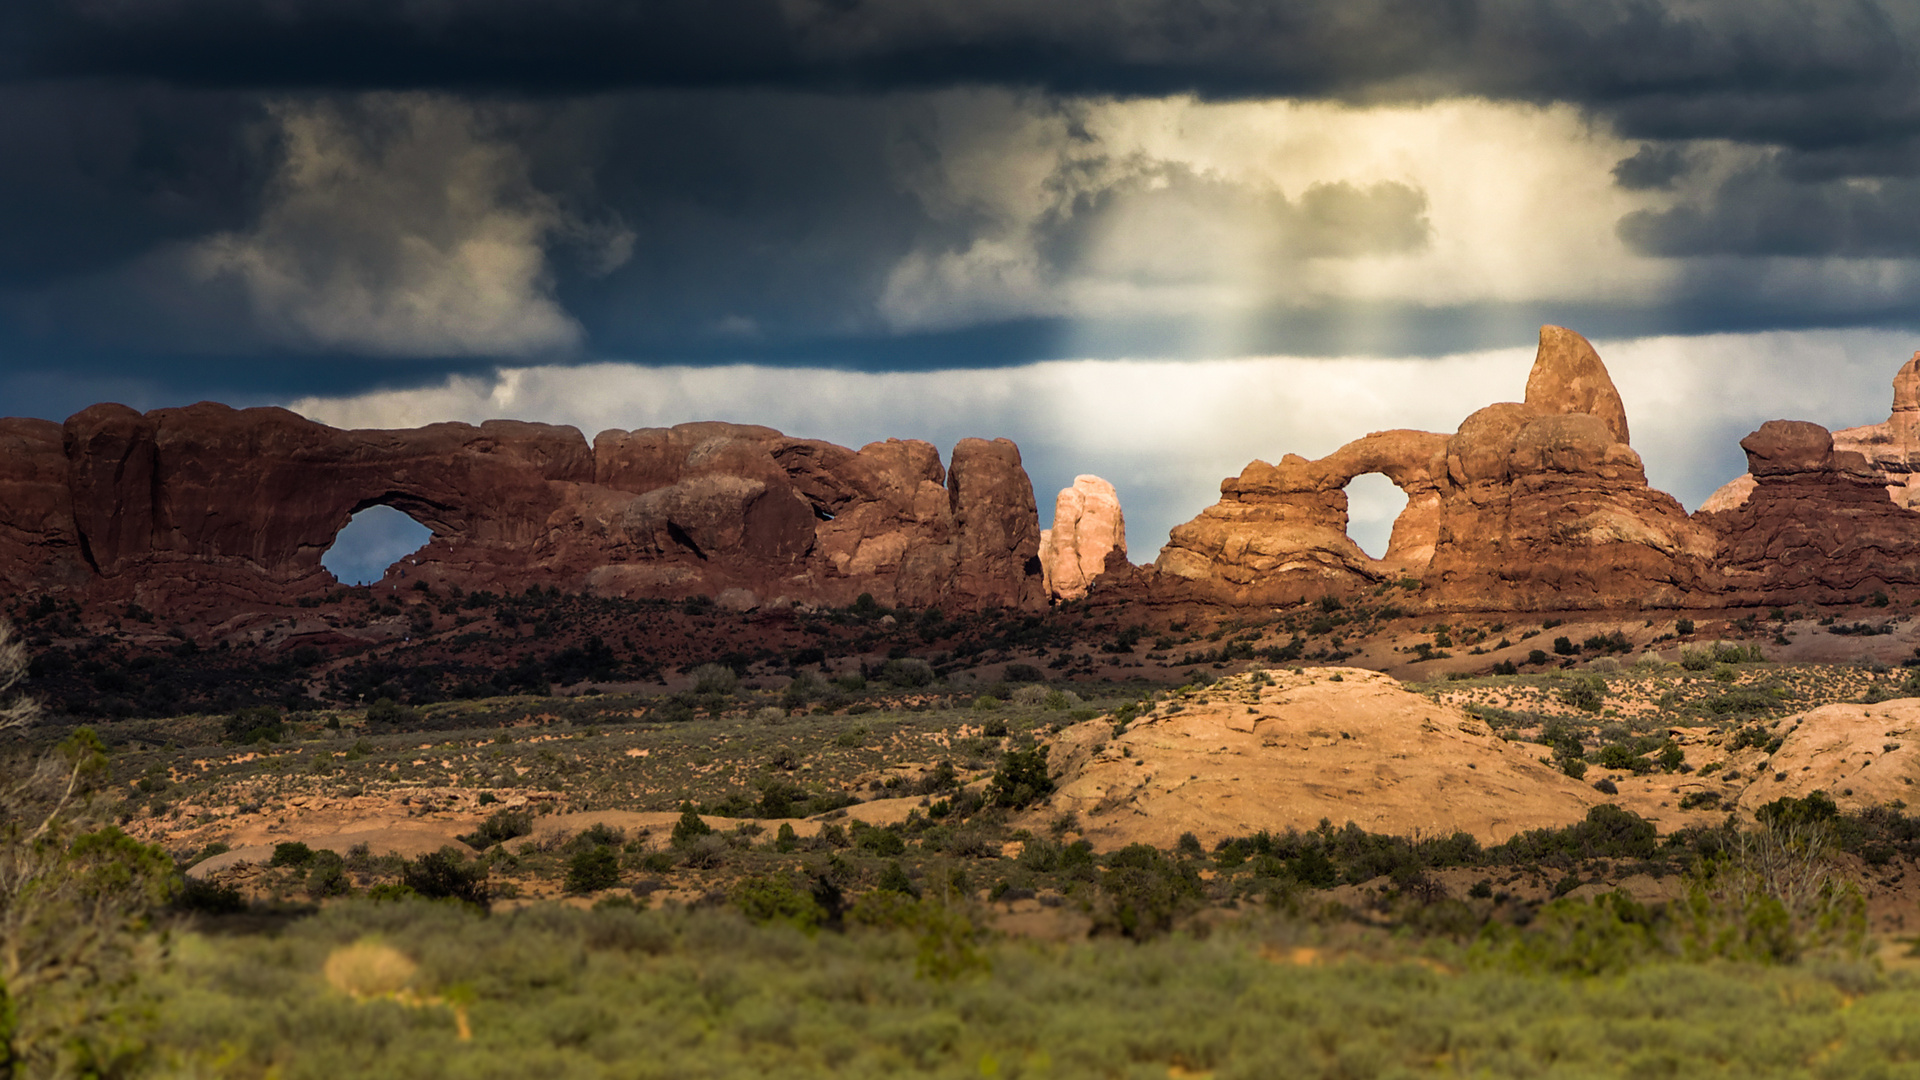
x=1151 y=240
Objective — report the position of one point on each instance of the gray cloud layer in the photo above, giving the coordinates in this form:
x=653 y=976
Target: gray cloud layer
x=918 y=183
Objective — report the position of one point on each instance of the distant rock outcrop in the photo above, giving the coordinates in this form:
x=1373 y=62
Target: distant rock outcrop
x=1528 y=505
x=1818 y=525
x=209 y=507
x=1891 y=448
x=1088 y=531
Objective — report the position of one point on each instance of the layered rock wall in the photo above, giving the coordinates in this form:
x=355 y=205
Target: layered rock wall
x=1818 y=525
x=210 y=506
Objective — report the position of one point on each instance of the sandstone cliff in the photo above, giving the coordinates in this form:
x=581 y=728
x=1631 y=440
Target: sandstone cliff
x=208 y=506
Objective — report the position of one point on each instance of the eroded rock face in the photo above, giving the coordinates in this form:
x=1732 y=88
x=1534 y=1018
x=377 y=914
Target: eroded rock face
x=1279 y=532
x=1529 y=504
x=39 y=545
x=1550 y=510
x=1088 y=526
x=1891 y=448
x=1819 y=524
x=1568 y=377
x=210 y=505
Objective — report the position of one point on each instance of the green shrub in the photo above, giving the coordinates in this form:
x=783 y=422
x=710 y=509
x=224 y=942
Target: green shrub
x=208 y=897
x=500 y=827
x=447 y=874
x=907 y=673
x=894 y=879
x=291 y=853
x=690 y=827
x=1142 y=891
x=1607 y=934
x=882 y=842
x=258 y=724
x=1587 y=694
x=1608 y=832
x=1022 y=779
x=328 y=876
x=715 y=679
x=774 y=898
x=592 y=870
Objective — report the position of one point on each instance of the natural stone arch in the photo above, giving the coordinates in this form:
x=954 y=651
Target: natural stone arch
x=371 y=542
x=1414 y=461
x=1374 y=504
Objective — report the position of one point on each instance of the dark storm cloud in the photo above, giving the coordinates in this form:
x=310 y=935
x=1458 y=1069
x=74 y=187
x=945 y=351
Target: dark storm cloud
x=1651 y=168
x=1762 y=210
x=1801 y=72
x=93 y=174
x=755 y=151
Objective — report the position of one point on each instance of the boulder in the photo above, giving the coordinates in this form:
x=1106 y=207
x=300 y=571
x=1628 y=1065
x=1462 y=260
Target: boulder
x=1088 y=525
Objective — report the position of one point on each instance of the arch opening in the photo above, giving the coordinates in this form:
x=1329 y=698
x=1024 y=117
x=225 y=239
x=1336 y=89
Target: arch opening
x=371 y=542
x=1374 y=503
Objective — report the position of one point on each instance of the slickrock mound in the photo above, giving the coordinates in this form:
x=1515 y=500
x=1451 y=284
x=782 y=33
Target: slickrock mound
x=1237 y=757
x=1088 y=527
x=408 y=839
x=1540 y=504
x=1818 y=526
x=1861 y=755
x=208 y=507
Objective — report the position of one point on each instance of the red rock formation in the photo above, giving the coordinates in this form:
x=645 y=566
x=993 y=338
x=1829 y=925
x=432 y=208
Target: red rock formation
x=1088 y=527
x=1891 y=447
x=997 y=563
x=39 y=545
x=210 y=507
x=1279 y=532
x=1540 y=504
x=1549 y=508
x=1819 y=525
